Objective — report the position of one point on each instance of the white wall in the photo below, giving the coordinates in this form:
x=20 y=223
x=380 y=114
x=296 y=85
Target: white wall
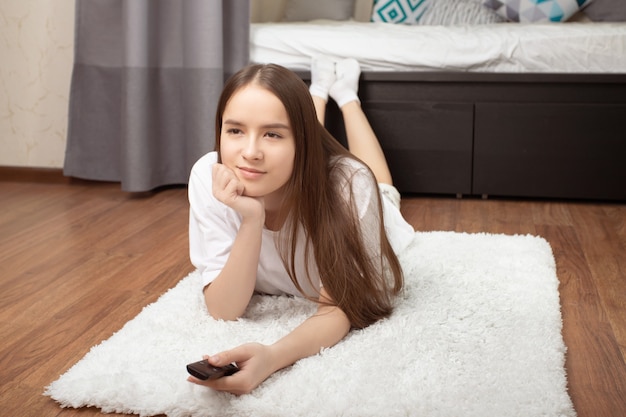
x=36 y=56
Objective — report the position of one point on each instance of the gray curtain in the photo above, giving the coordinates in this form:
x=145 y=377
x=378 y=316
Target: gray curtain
x=146 y=79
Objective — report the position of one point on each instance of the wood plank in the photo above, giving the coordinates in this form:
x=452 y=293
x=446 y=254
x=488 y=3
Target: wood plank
x=495 y=216
x=551 y=213
x=607 y=261
x=432 y=214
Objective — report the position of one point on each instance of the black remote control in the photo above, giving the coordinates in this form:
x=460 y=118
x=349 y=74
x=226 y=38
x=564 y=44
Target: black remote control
x=203 y=370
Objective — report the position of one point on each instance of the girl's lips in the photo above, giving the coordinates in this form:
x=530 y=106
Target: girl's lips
x=250 y=173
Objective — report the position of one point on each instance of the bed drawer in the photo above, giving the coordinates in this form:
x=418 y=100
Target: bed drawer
x=428 y=145
x=568 y=150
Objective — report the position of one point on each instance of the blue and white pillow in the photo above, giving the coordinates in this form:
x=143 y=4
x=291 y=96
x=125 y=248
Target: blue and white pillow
x=531 y=11
x=399 y=11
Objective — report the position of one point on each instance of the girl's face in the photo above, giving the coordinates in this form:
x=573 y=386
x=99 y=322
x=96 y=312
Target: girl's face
x=257 y=143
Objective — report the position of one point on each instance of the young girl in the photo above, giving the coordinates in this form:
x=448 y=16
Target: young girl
x=281 y=207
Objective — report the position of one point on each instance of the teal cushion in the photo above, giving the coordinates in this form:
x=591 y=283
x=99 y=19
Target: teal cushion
x=399 y=11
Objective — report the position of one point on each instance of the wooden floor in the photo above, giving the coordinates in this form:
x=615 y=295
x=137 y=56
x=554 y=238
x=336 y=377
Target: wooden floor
x=79 y=259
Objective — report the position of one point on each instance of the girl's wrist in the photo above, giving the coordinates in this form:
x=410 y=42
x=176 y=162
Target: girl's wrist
x=254 y=221
x=278 y=358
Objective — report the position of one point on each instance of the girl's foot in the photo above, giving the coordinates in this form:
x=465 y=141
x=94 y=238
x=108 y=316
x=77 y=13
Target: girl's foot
x=345 y=88
x=322 y=77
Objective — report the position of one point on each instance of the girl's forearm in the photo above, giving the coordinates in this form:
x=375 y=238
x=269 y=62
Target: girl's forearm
x=324 y=329
x=229 y=294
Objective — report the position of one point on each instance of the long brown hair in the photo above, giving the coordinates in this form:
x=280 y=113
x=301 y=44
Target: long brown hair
x=357 y=282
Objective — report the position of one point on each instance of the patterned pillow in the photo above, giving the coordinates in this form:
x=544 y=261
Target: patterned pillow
x=536 y=10
x=399 y=11
x=459 y=12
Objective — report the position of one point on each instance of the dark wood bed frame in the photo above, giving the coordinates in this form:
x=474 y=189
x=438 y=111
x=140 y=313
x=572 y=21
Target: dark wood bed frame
x=486 y=134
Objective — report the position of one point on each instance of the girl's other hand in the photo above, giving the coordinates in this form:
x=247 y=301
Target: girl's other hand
x=228 y=189
x=255 y=366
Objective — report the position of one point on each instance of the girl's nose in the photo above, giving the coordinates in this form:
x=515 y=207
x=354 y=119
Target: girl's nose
x=252 y=149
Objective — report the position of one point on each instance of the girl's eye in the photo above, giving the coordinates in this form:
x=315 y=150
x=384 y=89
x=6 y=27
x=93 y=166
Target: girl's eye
x=273 y=135
x=233 y=131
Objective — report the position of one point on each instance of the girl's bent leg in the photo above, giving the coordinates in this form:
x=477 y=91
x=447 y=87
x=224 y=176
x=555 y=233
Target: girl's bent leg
x=363 y=143
x=320 y=108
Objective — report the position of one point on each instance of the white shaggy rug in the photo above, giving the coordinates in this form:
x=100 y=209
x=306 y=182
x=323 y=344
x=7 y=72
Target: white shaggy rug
x=476 y=333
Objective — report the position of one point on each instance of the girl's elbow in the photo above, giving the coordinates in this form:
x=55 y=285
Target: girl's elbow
x=217 y=314
x=221 y=311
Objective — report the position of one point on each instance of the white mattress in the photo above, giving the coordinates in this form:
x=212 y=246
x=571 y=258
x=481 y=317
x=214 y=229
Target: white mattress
x=503 y=47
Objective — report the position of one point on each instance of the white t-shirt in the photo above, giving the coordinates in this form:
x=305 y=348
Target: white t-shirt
x=213 y=227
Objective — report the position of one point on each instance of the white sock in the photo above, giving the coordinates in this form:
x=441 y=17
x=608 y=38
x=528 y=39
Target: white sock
x=345 y=89
x=322 y=76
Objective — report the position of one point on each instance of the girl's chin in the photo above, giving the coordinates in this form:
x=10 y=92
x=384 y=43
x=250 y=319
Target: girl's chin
x=247 y=192
x=259 y=193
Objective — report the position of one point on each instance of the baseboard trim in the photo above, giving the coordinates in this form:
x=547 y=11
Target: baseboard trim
x=33 y=174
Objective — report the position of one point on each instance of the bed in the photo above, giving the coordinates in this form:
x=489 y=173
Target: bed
x=490 y=109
